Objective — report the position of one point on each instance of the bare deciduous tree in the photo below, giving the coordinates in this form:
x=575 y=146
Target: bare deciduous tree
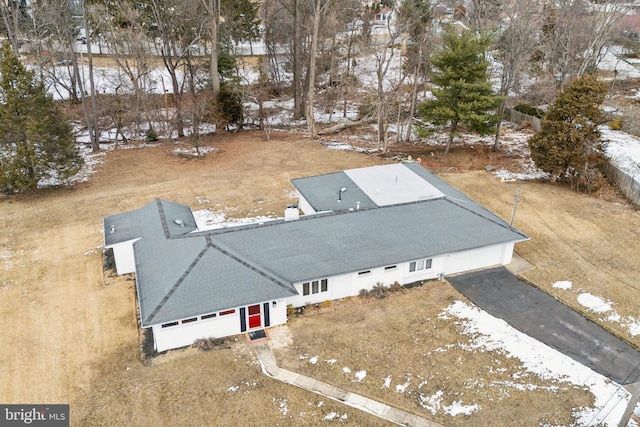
x=513 y=49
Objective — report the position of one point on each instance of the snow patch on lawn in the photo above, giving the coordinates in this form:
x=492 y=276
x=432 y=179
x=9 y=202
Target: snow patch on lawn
x=489 y=333
x=457 y=408
x=360 y=375
x=594 y=303
x=563 y=284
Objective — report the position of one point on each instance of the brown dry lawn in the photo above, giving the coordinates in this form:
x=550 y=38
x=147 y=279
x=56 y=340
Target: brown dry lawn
x=68 y=338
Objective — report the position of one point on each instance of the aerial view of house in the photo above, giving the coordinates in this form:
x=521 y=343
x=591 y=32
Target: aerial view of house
x=381 y=224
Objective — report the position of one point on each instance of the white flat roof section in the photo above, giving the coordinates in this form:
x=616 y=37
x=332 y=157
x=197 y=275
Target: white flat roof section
x=393 y=184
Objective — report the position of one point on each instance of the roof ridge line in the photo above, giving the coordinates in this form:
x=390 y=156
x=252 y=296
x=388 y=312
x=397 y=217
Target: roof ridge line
x=177 y=284
x=502 y=224
x=163 y=219
x=254 y=267
x=309 y=217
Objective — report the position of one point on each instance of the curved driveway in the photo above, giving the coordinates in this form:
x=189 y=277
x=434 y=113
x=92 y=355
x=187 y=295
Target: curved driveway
x=539 y=315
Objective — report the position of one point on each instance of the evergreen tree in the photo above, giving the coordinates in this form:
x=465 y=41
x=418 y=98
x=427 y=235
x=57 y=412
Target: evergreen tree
x=463 y=95
x=567 y=145
x=35 y=140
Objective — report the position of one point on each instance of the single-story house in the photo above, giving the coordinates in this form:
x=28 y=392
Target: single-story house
x=391 y=223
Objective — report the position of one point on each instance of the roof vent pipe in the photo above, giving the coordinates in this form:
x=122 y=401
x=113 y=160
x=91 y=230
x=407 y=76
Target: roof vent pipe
x=113 y=229
x=357 y=206
x=342 y=190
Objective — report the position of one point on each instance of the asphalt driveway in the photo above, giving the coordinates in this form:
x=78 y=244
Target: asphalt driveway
x=539 y=315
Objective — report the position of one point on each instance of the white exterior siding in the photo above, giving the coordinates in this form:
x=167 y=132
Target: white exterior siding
x=304 y=206
x=350 y=284
x=183 y=335
x=477 y=258
x=124 y=257
x=278 y=313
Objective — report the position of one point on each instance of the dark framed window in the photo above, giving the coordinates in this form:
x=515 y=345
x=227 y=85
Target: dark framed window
x=224 y=313
x=208 y=316
x=193 y=319
x=170 y=324
x=421 y=264
x=315 y=286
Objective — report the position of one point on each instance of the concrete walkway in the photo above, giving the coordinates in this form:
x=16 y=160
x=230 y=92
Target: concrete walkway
x=379 y=409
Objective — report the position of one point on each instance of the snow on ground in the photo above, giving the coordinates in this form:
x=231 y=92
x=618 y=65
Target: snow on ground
x=623 y=150
x=623 y=69
x=360 y=375
x=563 y=284
x=594 y=303
x=598 y=305
x=490 y=334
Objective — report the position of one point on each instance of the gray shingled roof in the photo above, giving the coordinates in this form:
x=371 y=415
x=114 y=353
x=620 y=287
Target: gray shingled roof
x=328 y=244
x=322 y=192
x=181 y=273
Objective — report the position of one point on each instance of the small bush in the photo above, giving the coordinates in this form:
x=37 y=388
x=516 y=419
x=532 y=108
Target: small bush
x=290 y=310
x=208 y=344
x=379 y=290
x=151 y=136
x=230 y=107
x=396 y=286
x=326 y=304
x=366 y=109
x=364 y=293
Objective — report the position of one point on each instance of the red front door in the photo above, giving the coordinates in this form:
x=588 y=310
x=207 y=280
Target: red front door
x=255 y=319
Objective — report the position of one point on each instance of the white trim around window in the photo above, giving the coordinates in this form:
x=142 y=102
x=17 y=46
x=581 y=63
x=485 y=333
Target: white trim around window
x=419 y=265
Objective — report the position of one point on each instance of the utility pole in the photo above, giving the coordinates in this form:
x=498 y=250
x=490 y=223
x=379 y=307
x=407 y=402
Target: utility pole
x=515 y=206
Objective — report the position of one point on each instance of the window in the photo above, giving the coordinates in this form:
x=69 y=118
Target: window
x=208 y=316
x=390 y=267
x=422 y=264
x=315 y=286
x=224 y=313
x=170 y=324
x=193 y=319
x=362 y=273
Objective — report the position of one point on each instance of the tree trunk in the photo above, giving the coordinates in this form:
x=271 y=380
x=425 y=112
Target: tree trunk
x=452 y=132
x=414 y=96
x=95 y=136
x=342 y=126
x=311 y=75
x=297 y=63
x=496 y=142
x=11 y=32
x=214 y=10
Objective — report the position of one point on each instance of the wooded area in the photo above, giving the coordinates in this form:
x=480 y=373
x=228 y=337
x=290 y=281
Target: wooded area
x=312 y=51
